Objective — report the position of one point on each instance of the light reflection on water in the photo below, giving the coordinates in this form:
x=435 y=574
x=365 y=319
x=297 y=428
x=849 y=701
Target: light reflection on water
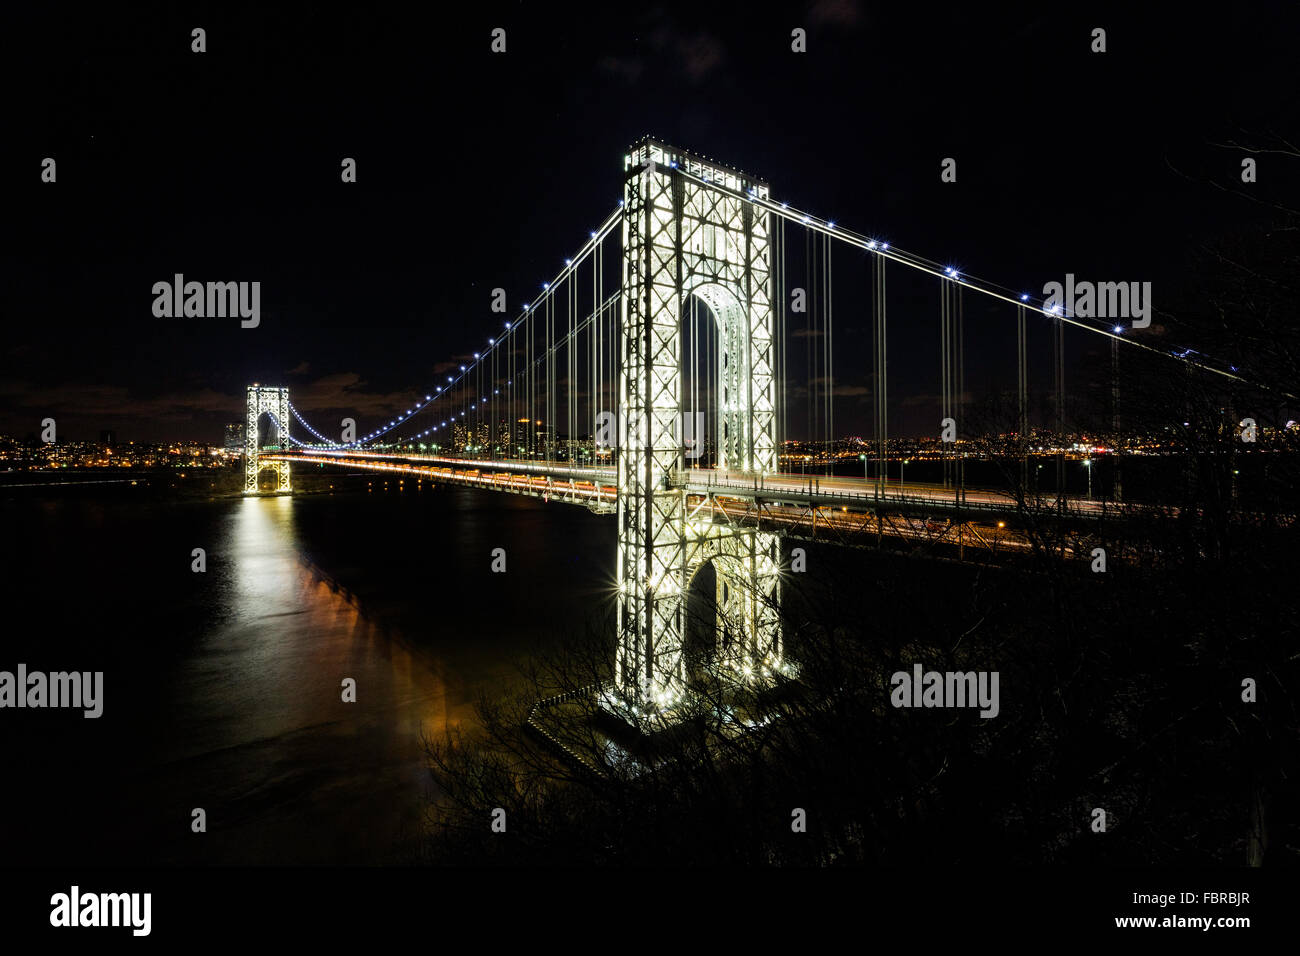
x=223 y=689
x=260 y=735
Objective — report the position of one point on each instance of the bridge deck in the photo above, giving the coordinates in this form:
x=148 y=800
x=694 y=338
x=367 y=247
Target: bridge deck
x=586 y=484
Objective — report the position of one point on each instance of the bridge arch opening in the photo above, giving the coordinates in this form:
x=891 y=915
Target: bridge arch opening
x=715 y=375
x=700 y=637
x=270 y=475
x=718 y=628
x=268 y=432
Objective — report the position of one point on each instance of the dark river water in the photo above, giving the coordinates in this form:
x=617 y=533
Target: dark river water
x=222 y=689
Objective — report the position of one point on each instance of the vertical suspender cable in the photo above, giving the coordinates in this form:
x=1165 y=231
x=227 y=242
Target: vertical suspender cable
x=881 y=384
x=1060 y=412
x=779 y=343
x=830 y=355
x=571 y=355
x=961 y=390
x=943 y=375
x=809 y=307
x=1022 y=398
x=1114 y=416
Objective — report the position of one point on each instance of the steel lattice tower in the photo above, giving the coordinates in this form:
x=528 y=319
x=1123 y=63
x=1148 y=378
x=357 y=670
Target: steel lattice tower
x=264 y=398
x=683 y=237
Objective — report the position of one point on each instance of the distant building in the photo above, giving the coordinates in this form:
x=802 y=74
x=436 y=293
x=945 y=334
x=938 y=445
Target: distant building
x=534 y=438
x=108 y=438
x=523 y=441
x=234 y=436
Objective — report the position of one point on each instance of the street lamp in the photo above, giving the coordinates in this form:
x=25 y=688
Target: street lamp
x=900 y=474
x=1087 y=463
x=863 y=459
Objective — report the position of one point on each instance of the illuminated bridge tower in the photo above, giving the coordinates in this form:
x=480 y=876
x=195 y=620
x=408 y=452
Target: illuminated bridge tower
x=274 y=401
x=682 y=238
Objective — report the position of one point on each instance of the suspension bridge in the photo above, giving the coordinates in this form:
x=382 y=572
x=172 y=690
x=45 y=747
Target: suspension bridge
x=658 y=374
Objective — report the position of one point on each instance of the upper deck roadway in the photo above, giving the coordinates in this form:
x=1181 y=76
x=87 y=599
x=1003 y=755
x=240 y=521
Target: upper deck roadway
x=595 y=484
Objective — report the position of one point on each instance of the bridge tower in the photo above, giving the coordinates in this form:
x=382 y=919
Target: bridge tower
x=266 y=398
x=683 y=238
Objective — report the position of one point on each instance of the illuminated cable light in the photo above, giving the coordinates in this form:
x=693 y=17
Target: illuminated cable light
x=830 y=225
x=1118 y=329
x=1024 y=297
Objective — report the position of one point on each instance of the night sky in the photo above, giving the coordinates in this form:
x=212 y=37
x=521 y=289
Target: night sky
x=478 y=170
